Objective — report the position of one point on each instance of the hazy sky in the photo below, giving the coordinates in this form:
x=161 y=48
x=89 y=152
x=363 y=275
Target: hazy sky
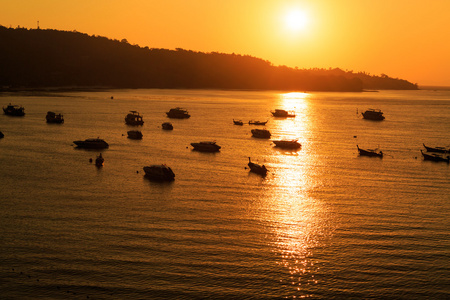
x=408 y=39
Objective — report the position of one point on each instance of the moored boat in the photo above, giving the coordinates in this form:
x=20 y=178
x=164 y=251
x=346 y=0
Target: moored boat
x=261 y=133
x=178 y=113
x=373 y=114
x=92 y=144
x=14 y=110
x=287 y=144
x=99 y=161
x=206 y=146
x=159 y=173
x=167 y=126
x=281 y=113
x=437 y=149
x=252 y=122
x=369 y=152
x=53 y=117
x=238 y=122
x=435 y=157
x=134 y=134
x=134 y=118
x=256 y=168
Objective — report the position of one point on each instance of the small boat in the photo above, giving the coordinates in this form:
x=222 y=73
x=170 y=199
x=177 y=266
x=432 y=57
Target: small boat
x=159 y=173
x=178 y=113
x=14 y=110
x=435 y=157
x=437 y=149
x=261 y=133
x=373 y=114
x=370 y=152
x=206 y=146
x=256 y=168
x=92 y=144
x=252 y=122
x=52 y=117
x=281 y=113
x=167 y=126
x=99 y=160
x=134 y=119
x=238 y=122
x=287 y=144
x=134 y=134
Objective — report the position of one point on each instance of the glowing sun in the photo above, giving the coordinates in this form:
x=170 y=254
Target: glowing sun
x=296 y=20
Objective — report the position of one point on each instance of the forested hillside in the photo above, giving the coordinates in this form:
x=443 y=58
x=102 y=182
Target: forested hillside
x=35 y=58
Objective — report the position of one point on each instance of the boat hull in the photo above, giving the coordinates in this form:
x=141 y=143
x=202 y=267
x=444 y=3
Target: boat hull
x=99 y=161
x=14 y=111
x=167 y=126
x=134 y=135
x=257 y=169
x=178 y=113
x=87 y=144
x=436 y=149
x=280 y=113
x=261 y=133
x=257 y=123
x=53 y=118
x=435 y=157
x=374 y=115
x=206 y=147
x=287 y=144
x=134 y=119
x=369 y=153
x=55 y=121
x=159 y=173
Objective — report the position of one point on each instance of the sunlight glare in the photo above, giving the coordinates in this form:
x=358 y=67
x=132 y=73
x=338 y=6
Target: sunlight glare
x=294 y=99
x=296 y=20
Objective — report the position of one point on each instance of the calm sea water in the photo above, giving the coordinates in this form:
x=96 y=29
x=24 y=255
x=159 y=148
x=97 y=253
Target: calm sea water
x=325 y=223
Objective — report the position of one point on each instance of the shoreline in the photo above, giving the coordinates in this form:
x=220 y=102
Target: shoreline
x=41 y=90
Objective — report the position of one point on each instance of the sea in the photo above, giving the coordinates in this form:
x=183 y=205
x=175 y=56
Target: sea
x=325 y=223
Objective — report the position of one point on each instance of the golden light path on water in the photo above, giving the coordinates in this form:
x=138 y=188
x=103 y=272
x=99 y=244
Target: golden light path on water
x=296 y=216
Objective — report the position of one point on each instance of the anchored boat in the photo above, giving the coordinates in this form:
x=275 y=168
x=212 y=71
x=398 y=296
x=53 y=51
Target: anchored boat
x=14 y=110
x=206 y=146
x=178 y=113
x=52 y=117
x=252 y=122
x=370 y=152
x=373 y=114
x=99 y=161
x=437 y=149
x=134 y=134
x=134 y=118
x=92 y=144
x=261 y=133
x=256 y=168
x=435 y=157
x=159 y=173
x=287 y=144
x=281 y=113
x=167 y=126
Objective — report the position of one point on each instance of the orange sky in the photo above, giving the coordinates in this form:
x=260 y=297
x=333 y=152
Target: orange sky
x=408 y=39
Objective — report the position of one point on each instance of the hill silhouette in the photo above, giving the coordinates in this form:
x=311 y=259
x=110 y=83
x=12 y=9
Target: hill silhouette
x=36 y=58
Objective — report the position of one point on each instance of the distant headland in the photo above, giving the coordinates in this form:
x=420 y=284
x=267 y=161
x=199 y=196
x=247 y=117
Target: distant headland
x=37 y=58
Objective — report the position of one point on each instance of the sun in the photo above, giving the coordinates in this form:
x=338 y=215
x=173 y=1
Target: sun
x=296 y=20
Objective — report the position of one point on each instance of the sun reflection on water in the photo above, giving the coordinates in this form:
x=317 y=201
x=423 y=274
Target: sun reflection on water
x=298 y=220
x=292 y=128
